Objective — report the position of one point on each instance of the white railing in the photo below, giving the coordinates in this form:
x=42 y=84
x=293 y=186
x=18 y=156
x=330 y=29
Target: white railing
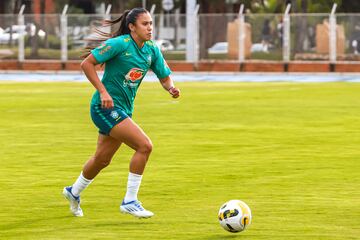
x=282 y=37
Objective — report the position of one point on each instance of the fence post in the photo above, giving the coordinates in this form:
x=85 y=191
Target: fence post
x=107 y=12
x=21 y=23
x=64 y=34
x=242 y=33
x=190 y=30
x=332 y=35
x=196 y=34
x=286 y=35
x=107 y=16
x=152 y=13
x=152 y=10
x=177 y=27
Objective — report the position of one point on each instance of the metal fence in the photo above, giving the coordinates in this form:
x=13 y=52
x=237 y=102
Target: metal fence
x=232 y=37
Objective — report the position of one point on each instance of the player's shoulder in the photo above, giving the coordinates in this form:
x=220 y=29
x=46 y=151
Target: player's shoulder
x=151 y=44
x=122 y=40
x=153 y=47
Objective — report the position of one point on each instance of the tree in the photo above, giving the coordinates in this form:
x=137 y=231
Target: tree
x=301 y=25
x=211 y=29
x=349 y=6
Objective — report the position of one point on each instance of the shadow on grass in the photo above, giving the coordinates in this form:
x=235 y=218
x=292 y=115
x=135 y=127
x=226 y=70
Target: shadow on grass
x=123 y=224
x=27 y=222
x=69 y=220
x=226 y=236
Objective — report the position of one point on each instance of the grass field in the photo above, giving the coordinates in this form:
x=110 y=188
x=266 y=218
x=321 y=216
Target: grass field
x=289 y=150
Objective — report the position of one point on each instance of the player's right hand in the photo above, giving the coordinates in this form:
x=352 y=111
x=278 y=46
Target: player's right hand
x=106 y=100
x=175 y=92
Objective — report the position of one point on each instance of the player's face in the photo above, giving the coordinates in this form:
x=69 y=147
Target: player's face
x=143 y=27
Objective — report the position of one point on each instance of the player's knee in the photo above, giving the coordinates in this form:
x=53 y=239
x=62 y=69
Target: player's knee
x=104 y=163
x=102 y=159
x=146 y=147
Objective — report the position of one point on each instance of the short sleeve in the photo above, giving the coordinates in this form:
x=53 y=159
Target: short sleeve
x=159 y=65
x=108 y=49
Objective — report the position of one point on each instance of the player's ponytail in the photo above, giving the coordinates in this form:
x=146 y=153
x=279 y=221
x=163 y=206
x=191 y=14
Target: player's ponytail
x=123 y=29
x=129 y=16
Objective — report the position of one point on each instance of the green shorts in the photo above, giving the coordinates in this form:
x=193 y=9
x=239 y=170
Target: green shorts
x=106 y=119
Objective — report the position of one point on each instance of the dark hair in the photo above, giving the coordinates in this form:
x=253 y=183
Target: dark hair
x=128 y=16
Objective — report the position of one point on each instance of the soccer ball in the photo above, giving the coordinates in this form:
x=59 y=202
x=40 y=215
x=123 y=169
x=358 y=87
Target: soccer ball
x=235 y=216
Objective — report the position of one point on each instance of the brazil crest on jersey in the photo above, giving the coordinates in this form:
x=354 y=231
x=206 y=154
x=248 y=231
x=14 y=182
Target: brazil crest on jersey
x=125 y=67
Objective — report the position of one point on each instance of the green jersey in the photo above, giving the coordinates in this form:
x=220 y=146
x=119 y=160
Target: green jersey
x=125 y=67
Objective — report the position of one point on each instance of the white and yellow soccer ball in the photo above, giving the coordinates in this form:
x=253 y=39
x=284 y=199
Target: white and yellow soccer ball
x=235 y=216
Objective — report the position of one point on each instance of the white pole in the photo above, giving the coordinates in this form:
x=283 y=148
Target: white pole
x=177 y=26
x=144 y=4
x=190 y=30
x=286 y=34
x=108 y=9
x=21 y=23
x=196 y=11
x=332 y=33
x=65 y=9
x=196 y=34
x=64 y=34
x=102 y=8
x=241 y=36
x=161 y=24
x=107 y=16
x=152 y=11
x=333 y=10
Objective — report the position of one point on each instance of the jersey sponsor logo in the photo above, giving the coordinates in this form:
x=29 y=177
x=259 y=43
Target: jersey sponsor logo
x=134 y=74
x=132 y=77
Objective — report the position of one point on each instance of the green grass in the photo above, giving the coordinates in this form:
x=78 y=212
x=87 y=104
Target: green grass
x=289 y=150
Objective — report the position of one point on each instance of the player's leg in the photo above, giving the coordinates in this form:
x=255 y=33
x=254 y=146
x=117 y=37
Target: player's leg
x=106 y=148
x=132 y=135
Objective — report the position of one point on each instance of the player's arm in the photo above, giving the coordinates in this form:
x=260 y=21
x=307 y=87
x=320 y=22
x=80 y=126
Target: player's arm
x=88 y=66
x=168 y=85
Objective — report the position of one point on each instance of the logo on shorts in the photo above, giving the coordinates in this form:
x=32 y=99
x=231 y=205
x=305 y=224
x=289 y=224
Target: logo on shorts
x=114 y=114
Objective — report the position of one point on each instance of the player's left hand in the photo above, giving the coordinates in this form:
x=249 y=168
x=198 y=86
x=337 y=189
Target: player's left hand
x=175 y=92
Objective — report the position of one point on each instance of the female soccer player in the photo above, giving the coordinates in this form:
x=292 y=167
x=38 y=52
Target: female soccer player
x=128 y=54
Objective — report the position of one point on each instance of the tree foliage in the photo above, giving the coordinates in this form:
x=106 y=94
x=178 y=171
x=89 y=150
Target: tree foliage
x=311 y=6
x=272 y=6
x=206 y=6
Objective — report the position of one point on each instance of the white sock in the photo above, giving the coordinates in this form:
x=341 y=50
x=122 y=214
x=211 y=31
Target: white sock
x=80 y=184
x=133 y=185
